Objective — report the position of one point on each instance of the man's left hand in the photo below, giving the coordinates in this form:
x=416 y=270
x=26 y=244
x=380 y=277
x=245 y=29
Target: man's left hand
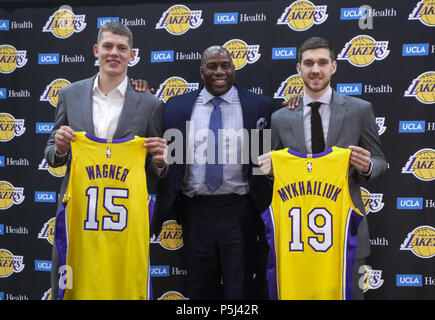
x=158 y=148
x=360 y=159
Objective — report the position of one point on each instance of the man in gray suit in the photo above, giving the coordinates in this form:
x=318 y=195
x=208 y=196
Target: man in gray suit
x=106 y=106
x=346 y=122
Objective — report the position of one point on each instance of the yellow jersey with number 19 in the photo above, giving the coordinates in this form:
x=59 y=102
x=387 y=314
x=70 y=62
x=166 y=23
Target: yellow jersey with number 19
x=311 y=226
x=102 y=229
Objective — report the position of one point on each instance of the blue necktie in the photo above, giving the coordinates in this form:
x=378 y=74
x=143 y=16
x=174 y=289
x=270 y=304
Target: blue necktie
x=214 y=172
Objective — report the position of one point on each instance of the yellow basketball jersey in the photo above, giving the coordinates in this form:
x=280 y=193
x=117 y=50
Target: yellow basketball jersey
x=102 y=229
x=311 y=226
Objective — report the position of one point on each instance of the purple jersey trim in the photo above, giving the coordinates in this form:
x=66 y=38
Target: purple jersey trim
x=100 y=140
x=61 y=240
x=350 y=254
x=272 y=282
x=305 y=155
x=151 y=204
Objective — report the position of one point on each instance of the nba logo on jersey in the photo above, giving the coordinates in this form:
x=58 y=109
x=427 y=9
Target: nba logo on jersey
x=309 y=166
x=108 y=153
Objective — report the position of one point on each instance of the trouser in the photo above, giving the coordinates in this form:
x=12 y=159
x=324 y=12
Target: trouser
x=220 y=243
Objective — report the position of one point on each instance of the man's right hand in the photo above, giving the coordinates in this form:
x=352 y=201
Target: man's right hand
x=140 y=85
x=265 y=164
x=62 y=139
x=293 y=102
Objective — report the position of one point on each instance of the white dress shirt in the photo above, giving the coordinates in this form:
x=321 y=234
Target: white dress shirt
x=106 y=109
x=232 y=118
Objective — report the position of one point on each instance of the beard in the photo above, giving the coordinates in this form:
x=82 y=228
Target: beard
x=316 y=89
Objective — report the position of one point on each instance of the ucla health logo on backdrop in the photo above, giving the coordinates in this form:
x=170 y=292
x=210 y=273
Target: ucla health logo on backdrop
x=412 y=126
x=420 y=242
x=51 y=92
x=10 y=127
x=242 y=53
x=425 y=12
x=178 y=19
x=284 y=53
x=174 y=86
x=372 y=201
x=47 y=231
x=64 y=23
x=362 y=50
x=415 y=49
x=171 y=236
x=10 y=263
x=302 y=15
x=11 y=58
x=293 y=85
x=10 y=195
x=423 y=88
x=421 y=164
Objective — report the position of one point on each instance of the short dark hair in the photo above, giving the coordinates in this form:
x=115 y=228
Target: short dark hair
x=118 y=28
x=315 y=43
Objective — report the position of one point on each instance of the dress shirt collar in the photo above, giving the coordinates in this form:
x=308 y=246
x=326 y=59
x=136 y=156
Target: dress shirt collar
x=324 y=99
x=122 y=88
x=227 y=96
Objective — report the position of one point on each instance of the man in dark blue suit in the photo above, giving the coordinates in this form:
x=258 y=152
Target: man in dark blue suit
x=218 y=200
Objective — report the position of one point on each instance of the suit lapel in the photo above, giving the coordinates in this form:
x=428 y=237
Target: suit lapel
x=297 y=127
x=128 y=112
x=85 y=105
x=249 y=109
x=338 y=111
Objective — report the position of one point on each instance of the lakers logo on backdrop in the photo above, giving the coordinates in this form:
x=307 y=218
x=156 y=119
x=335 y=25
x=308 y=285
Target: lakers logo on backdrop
x=420 y=242
x=293 y=85
x=371 y=279
x=10 y=127
x=421 y=164
x=11 y=58
x=10 y=195
x=174 y=86
x=302 y=15
x=372 y=201
x=64 y=23
x=423 y=88
x=171 y=236
x=172 y=295
x=425 y=12
x=363 y=50
x=178 y=19
x=9 y=263
x=55 y=172
x=47 y=231
x=51 y=92
x=242 y=53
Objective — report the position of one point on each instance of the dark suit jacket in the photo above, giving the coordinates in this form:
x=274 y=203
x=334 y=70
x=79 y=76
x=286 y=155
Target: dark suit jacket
x=352 y=122
x=256 y=109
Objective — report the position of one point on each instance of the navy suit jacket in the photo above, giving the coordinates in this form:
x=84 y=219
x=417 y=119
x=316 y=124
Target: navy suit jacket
x=256 y=109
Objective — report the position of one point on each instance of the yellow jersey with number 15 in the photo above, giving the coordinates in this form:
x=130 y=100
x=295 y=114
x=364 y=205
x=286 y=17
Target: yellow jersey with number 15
x=311 y=226
x=102 y=229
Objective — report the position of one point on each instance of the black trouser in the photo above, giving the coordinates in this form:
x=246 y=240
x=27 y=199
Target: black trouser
x=220 y=242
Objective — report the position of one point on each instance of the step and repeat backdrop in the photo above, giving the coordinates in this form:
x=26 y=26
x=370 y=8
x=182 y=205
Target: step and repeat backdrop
x=385 y=53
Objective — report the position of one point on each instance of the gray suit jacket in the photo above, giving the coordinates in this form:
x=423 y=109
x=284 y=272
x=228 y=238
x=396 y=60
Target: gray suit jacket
x=352 y=122
x=142 y=115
